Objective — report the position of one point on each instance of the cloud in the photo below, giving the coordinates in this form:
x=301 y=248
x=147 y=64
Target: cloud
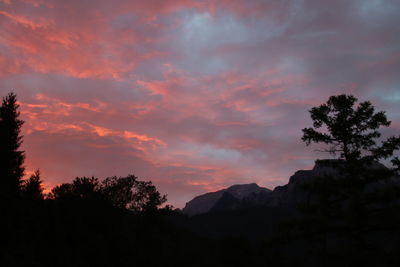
x=194 y=95
x=25 y=21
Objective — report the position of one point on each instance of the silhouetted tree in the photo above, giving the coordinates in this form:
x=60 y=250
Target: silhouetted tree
x=396 y=164
x=63 y=191
x=11 y=158
x=32 y=189
x=351 y=131
x=81 y=188
x=146 y=197
x=128 y=192
x=119 y=191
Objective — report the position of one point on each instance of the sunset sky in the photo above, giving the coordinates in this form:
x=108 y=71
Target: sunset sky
x=193 y=95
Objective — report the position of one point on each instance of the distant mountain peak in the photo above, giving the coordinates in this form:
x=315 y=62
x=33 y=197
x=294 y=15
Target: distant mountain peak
x=241 y=191
x=206 y=202
x=250 y=195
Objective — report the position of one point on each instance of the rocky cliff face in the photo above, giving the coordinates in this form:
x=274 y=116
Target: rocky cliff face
x=247 y=195
x=229 y=198
x=251 y=195
x=293 y=193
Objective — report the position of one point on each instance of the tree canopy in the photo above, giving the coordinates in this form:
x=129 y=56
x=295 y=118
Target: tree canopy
x=350 y=129
x=121 y=192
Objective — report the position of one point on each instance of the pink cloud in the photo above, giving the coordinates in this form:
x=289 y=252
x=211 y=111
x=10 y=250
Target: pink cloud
x=42 y=23
x=194 y=95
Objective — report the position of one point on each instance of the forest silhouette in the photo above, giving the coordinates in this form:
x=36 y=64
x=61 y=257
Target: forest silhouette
x=351 y=216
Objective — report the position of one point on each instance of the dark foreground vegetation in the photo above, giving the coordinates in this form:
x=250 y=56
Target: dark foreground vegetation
x=351 y=217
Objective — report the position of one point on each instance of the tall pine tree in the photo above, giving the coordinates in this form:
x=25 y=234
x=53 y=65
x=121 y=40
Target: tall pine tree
x=361 y=199
x=11 y=157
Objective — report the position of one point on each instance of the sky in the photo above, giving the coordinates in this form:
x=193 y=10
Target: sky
x=192 y=95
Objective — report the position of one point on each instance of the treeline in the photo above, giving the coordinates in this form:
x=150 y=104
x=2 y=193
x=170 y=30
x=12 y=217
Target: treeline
x=87 y=222
x=120 y=192
x=351 y=216
x=118 y=221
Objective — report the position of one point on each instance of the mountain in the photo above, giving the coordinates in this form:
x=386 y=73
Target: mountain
x=289 y=196
x=234 y=197
x=251 y=195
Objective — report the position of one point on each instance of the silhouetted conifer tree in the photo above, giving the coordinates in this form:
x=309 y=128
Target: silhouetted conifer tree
x=352 y=131
x=11 y=158
x=32 y=188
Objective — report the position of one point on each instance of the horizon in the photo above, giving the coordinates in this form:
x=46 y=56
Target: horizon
x=195 y=96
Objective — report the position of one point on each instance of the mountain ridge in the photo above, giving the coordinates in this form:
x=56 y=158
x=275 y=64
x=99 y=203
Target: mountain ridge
x=288 y=196
x=206 y=202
